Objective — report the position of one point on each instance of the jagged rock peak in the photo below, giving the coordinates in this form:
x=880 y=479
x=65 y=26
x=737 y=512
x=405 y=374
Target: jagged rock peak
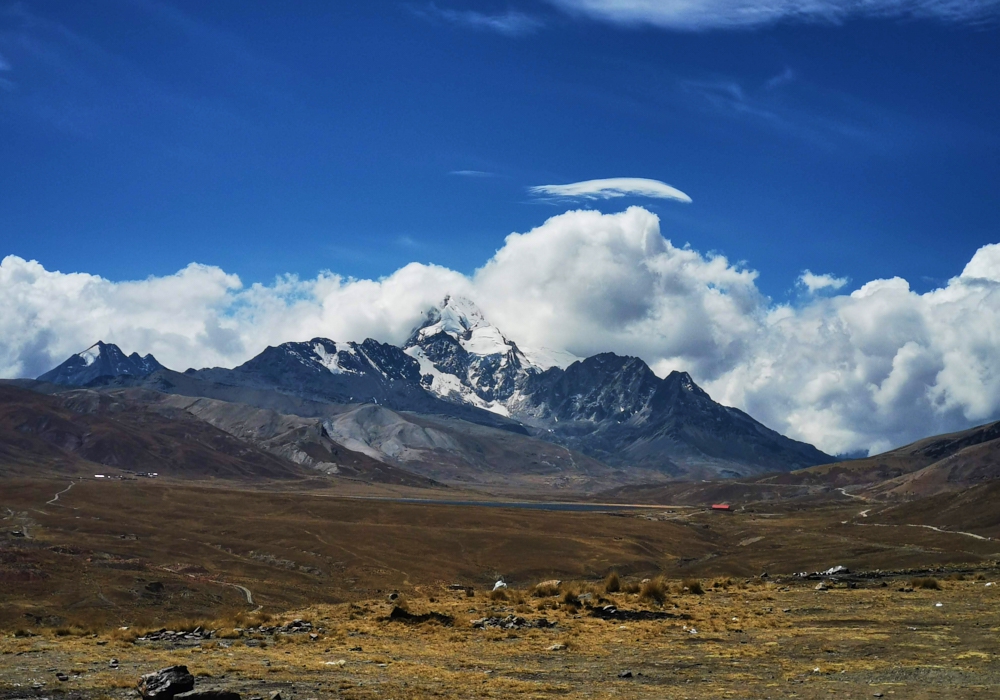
x=100 y=361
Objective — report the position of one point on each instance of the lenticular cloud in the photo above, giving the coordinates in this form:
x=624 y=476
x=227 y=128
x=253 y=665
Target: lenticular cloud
x=870 y=369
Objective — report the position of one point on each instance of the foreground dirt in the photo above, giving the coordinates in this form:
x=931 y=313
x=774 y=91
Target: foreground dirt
x=756 y=639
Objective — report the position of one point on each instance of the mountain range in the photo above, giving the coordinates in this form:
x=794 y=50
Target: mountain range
x=459 y=394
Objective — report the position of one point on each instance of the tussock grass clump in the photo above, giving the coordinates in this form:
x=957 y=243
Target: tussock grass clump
x=571 y=598
x=653 y=590
x=547 y=589
x=498 y=595
x=612 y=584
x=127 y=634
x=693 y=586
x=928 y=582
x=630 y=587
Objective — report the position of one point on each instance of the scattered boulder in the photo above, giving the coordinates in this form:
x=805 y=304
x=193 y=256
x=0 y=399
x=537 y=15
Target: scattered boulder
x=166 y=683
x=557 y=647
x=625 y=674
x=499 y=585
x=399 y=614
x=208 y=694
x=610 y=612
x=511 y=622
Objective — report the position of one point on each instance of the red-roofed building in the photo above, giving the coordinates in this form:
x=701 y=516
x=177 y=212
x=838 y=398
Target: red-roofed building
x=723 y=507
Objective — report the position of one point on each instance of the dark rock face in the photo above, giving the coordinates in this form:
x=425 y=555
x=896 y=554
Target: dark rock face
x=348 y=373
x=99 y=363
x=492 y=377
x=166 y=683
x=615 y=409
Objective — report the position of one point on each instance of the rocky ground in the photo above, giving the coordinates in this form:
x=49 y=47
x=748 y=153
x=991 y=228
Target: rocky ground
x=841 y=635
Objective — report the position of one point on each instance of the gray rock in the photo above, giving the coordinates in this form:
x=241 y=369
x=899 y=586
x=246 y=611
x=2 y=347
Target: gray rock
x=208 y=694
x=166 y=683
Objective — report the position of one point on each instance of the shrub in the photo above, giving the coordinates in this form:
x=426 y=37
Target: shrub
x=927 y=582
x=545 y=590
x=571 y=598
x=653 y=590
x=612 y=584
x=693 y=586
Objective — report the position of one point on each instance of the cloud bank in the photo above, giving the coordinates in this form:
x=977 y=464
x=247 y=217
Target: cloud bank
x=609 y=188
x=870 y=369
x=731 y=14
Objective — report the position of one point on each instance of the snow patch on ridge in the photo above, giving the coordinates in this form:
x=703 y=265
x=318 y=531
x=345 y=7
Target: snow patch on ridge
x=546 y=358
x=91 y=354
x=449 y=386
x=332 y=360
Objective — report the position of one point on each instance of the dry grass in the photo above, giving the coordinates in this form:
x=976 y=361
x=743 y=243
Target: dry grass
x=654 y=590
x=545 y=590
x=612 y=583
x=761 y=641
x=692 y=586
x=927 y=582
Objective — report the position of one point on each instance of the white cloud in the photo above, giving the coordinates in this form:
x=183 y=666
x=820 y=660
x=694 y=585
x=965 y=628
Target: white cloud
x=724 y=14
x=510 y=23
x=472 y=173
x=872 y=369
x=612 y=187
x=815 y=283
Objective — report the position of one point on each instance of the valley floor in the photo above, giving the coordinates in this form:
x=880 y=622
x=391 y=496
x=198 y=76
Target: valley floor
x=151 y=554
x=757 y=640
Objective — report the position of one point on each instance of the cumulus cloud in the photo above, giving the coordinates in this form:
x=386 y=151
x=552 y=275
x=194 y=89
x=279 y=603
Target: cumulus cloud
x=727 y=14
x=815 y=283
x=609 y=188
x=868 y=370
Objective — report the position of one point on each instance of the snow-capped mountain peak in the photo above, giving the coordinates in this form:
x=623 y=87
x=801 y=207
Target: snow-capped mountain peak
x=462 y=320
x=465 y=358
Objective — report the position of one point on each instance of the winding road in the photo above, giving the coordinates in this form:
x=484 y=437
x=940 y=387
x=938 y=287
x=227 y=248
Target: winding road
x=56 y=497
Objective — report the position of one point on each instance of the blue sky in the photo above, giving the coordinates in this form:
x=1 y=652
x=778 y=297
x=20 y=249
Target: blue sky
x=137 y=136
